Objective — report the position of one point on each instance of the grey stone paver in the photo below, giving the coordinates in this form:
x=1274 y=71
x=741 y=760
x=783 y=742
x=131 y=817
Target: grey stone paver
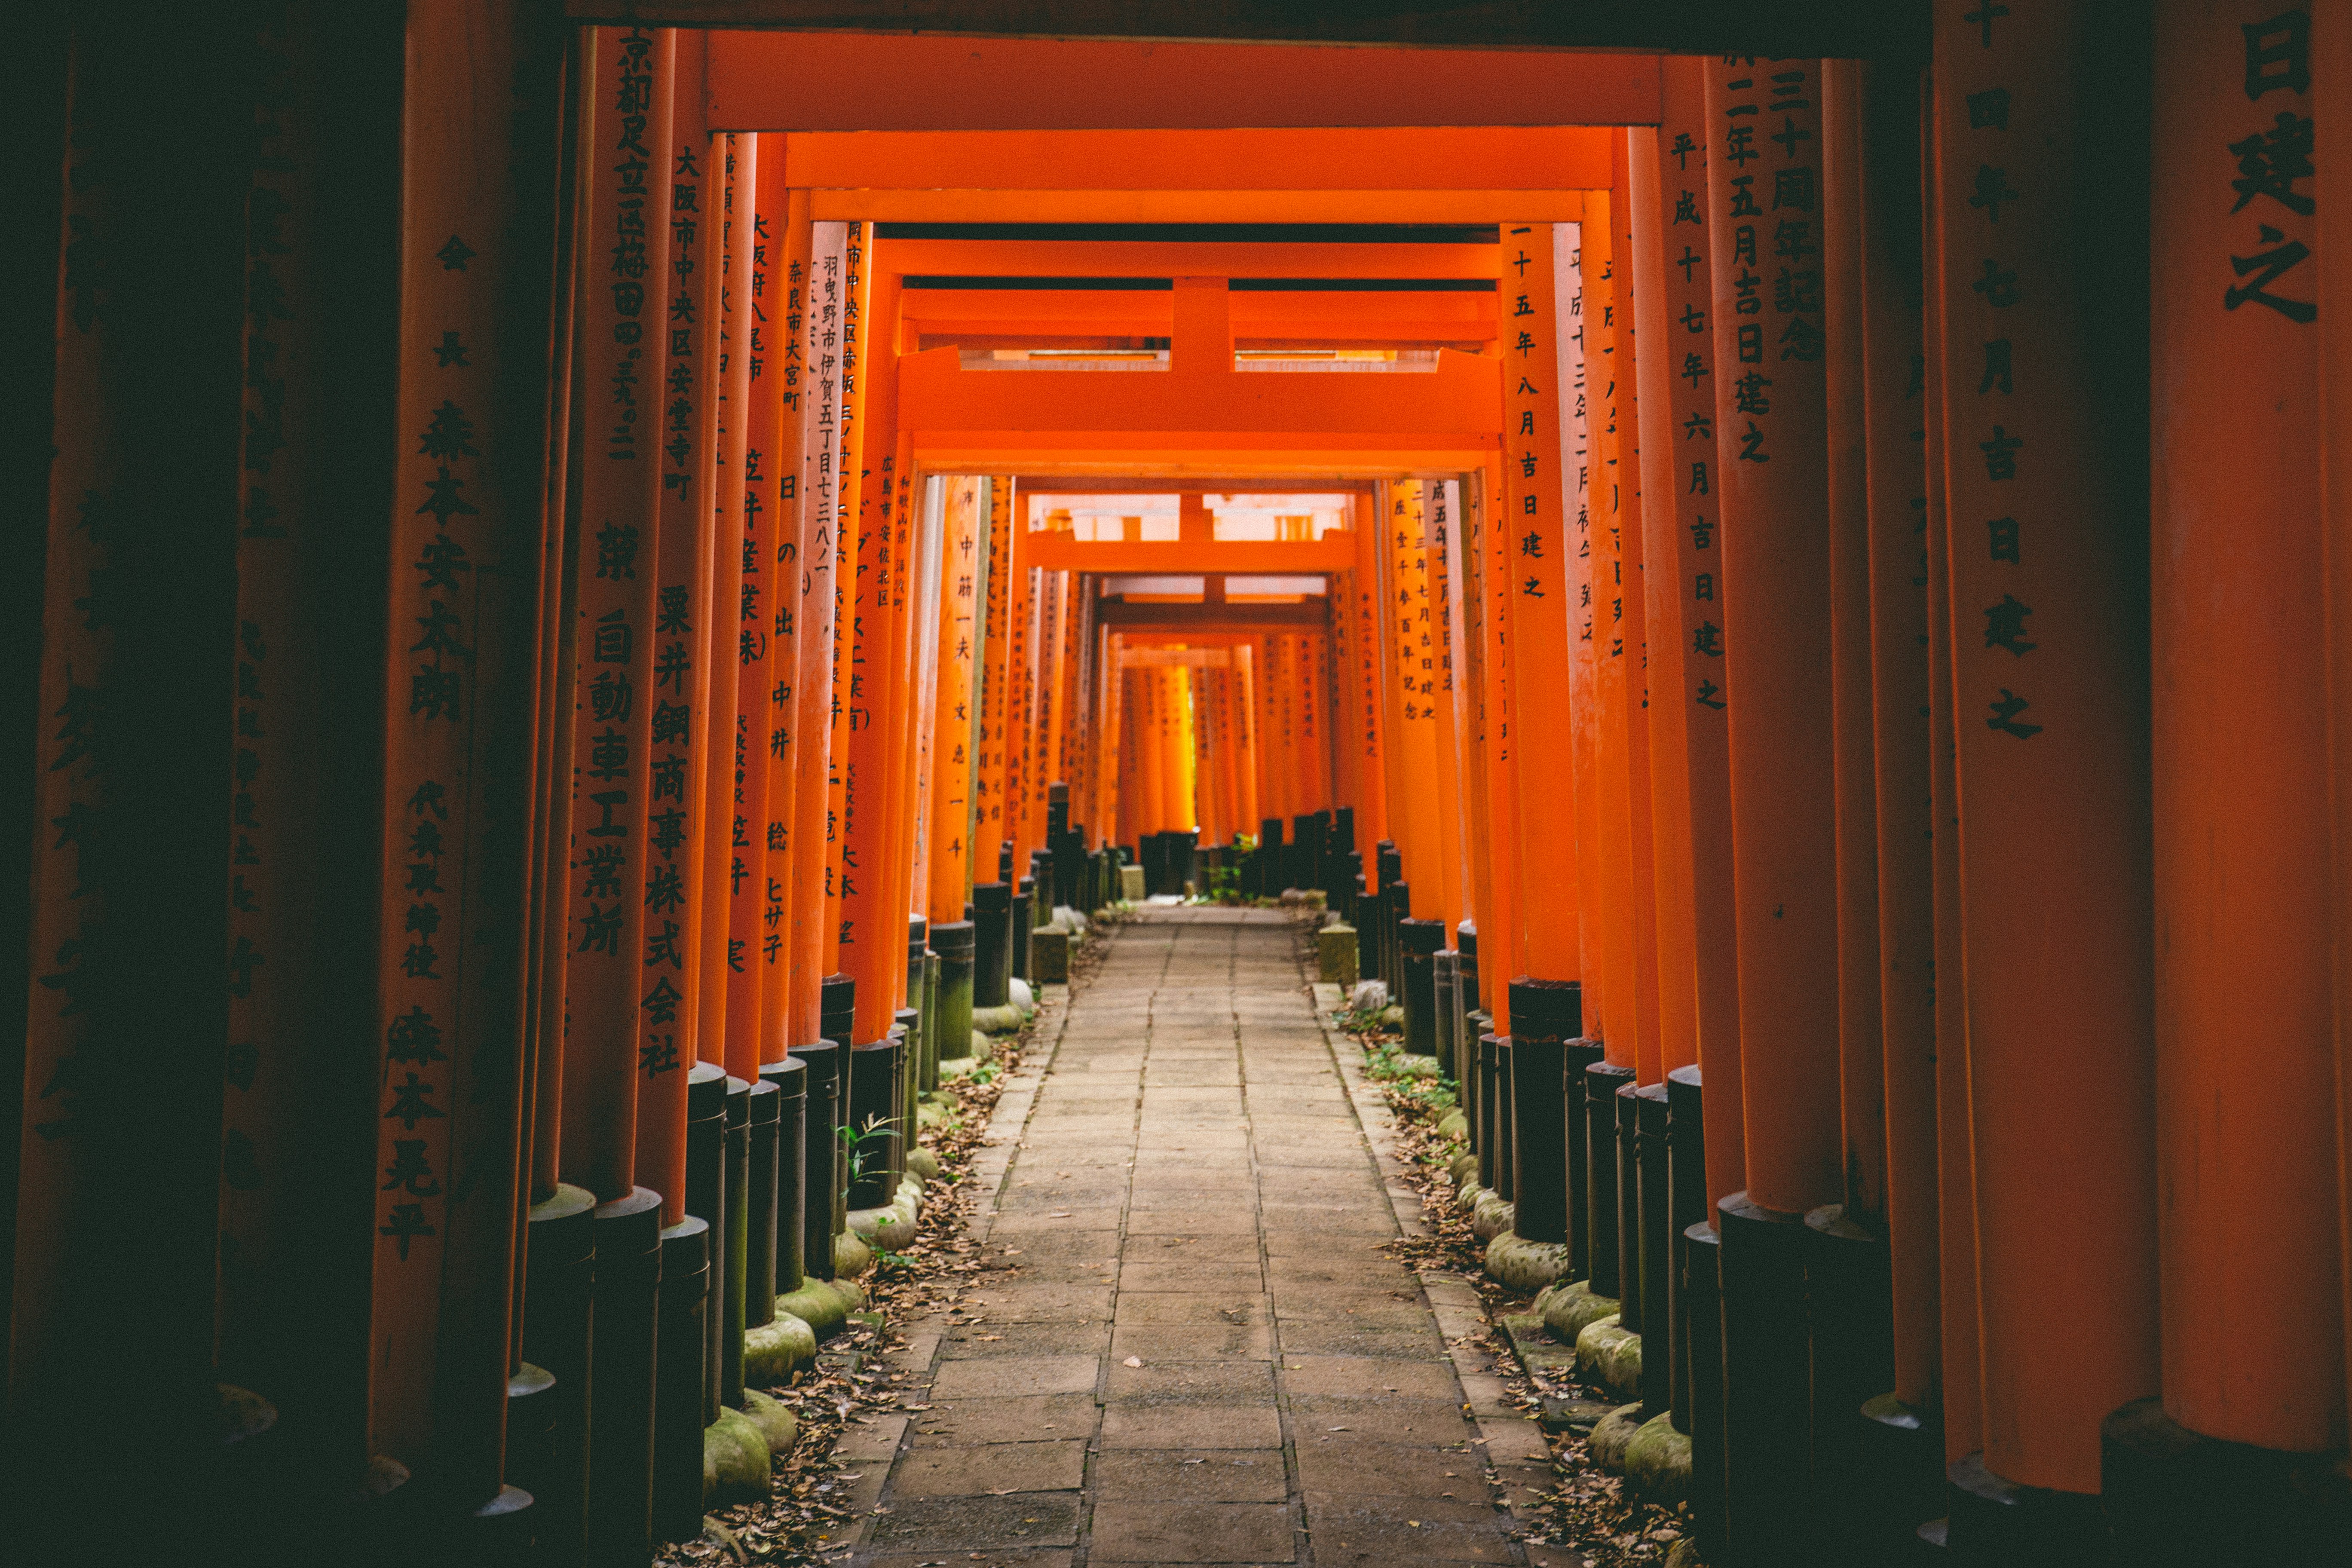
x=1183 y=1343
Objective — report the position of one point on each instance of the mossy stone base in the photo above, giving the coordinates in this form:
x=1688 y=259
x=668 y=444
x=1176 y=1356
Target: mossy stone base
x=776 y=1350
x=1491 y=1216
x=1658 y=1463
x=1613 y=1436
x=1609 y=1354
x=1572 y=1308
x=817 y=1304
x=1525 y=1265
x=1004 y=1020
x=890 y=1228
x=735 y=1460
x=983 y=1049
x=1393 y=1017
x=1684 y=1554
x=851 y=1256
x=1049 y=955
x=1453 y=1125
x=1463 y=1169
x=778 y=1426
x=923 y=1164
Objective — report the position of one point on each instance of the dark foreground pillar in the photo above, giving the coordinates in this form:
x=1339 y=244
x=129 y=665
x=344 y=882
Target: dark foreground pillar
x=1445 y=1040
x=2176 y=1498
x=992 y=963
x=1022 y=896
x=1417 y=942
x=1765 y=1386
x=1654 y=1250
x=870 y=1112
x=706 y=1200
x=621 y=1417
x=558 y=1293
x=960 y=966
x=1687 y=1206
x=1575 y=1061
x=817 y=1153
x=737 y=1250
x=789 y=1248
x=1850 y=1302
x=1546 y=1016
x=678 y=1414
x=766 y=1104
x=1601 y=1081
x=1710 y=1482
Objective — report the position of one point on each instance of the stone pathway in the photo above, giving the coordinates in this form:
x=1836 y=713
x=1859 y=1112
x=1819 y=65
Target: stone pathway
x=1189 y=1348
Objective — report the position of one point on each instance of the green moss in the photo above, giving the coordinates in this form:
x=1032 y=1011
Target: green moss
x=735 y=1461
x=1574 y=1308
x=1658 y=1463
x=776 y=1350
x=1611 y=1439
x=779 y=1427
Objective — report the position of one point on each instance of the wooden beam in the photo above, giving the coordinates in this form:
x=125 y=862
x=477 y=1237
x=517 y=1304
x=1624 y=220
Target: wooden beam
x=1416 y=158
x=1130 y=258
x=1287 y=460
x=1867 y=29
x=1117 y=203
x=824 y=81
x=1185 y=618
x=1160 y=485
x=1251 y=557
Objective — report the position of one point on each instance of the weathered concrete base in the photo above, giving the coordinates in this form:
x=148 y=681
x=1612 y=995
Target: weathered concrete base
x=1131 y=884
x=1573 y=1308
x=922 y=1164
x=1524 y=1265
x=891 y=1228
x=1049 y=955
x=1613 y=1436
x=1336 y=954
x=778 y=1426
x=1453 y=1125
x=982 y=1051
x=1004 y=1020
x=1610 y=1355
x=1658 y=1463
x=1490 y=1217
x=735 y=1460
x=774 y=1351
x=1465 y=1169
x=851 y=1256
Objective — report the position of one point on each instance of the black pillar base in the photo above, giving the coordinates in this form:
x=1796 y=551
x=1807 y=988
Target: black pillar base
x=1710 y=1507
x=1653 y=1249
x=1767 y=1395
x=1445 y=1040
x=677 y=1391
x=820 y=1149
x=1579 y=1056
x=2175 y=1497
x=1687 y=1206
x=1417 y=944
x=789 y=1077
x=1601 y=1081
x=759 y=1269
x=1632 y=1311
x=1993 y=1520
x=558 y=1295
x=734 y=1243
x=1898 y=1475
x=621 y=1415
x=1849 y=1291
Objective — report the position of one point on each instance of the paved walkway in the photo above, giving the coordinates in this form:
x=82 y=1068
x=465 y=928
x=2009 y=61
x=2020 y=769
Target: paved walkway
x=1195 y=1350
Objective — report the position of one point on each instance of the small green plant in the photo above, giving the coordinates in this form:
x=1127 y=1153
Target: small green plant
x=879 y=1129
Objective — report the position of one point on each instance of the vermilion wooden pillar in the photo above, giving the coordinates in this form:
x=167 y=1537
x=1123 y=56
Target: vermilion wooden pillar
x=1537 y=569
x=755 y=890
x=616 y=572
x=1894 y=428
x=1579 y=253
x=2332 y=63
x=1860 y=1067
x=1961 y=1391
x=2246 y=1133
x=2039 y=365
x=682 y=673
x=1488 y=906
x=1695 y=476
x=1366 y=723
x=778 y=386
x=1667 y=451
x=991 y=775
x=1502 y=922
x=1443 y=699
x=960 y=609
x=850 y=298
x=718 y=955
x=820 y=588
x=1765 y=202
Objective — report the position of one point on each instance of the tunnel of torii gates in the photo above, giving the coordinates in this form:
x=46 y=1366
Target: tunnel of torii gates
x=602 y=583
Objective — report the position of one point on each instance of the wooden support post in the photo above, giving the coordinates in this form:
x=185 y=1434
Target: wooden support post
x=1894 y=429
x=1365 y=725
x=1442 y=503
x=961 y=611
x=992 y=774
x=1764 y=199
x=1579 y=691
x=2253 y=1346
x=851 y=571
x=682 y=676
x=2332 y=62
x=823 y=551
x=2038 y=358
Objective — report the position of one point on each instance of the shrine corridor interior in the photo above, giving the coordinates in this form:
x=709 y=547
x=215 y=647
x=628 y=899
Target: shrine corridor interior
x=1321 y=782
